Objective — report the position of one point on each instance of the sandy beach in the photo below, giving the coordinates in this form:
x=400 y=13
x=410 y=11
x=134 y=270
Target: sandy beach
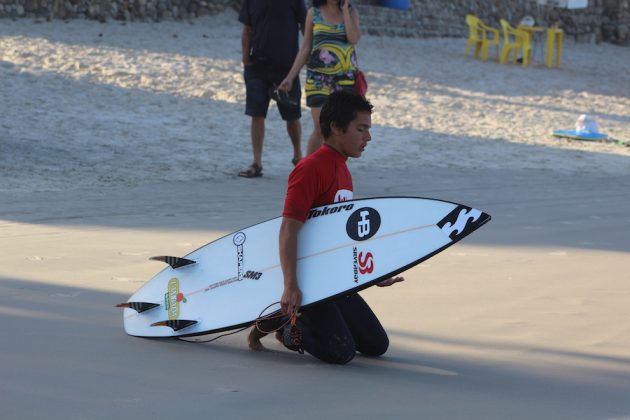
x=122 y=141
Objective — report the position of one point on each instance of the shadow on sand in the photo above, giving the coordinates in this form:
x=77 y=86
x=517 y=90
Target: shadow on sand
x=67 y=357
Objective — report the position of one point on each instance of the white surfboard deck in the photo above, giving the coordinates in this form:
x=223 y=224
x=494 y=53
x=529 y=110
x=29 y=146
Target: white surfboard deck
x=342 y=247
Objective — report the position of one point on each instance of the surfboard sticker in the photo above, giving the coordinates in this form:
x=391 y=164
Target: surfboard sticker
x=342 y=248
x=461 y=222
x=363 y=223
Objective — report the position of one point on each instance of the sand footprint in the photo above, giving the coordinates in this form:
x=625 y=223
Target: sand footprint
x=558 y=253
x=127 y=280
x=66 y=295
x=134 y=253
x=41 y=258
x=225 y=389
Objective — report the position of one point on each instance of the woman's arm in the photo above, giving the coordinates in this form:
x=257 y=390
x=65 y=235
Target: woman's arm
x=351 y=22
x=302 y=56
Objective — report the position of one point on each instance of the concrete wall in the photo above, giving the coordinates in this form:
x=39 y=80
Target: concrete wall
x=603 y=19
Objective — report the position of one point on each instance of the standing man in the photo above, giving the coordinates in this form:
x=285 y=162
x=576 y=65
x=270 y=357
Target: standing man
x=270 y=44
x=331 y=331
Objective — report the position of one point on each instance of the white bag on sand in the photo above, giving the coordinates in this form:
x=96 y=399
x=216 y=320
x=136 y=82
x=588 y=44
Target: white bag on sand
x=586 y=124
x=527 y=21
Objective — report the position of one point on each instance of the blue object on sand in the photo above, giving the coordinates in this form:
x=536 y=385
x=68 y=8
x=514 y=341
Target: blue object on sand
x=580 y=135
x=396 y=4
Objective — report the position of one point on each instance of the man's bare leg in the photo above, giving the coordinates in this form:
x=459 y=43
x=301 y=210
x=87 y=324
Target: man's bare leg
x=258 y=137
x=253 y=339
x=294 y=129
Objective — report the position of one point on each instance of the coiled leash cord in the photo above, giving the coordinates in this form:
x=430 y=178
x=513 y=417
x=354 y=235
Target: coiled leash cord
x=292 y=319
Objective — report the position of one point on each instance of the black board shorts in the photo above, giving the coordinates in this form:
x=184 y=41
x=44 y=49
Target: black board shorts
x=259 y=85
x=333 y=331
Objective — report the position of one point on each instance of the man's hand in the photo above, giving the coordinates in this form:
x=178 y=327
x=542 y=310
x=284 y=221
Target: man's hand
x=291 y=300
x=286 y=85
x=390 y=281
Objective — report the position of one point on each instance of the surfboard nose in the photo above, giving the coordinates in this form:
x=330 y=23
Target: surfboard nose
x=461 y=221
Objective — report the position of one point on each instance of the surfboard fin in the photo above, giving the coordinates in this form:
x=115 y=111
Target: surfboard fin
x=175 y=324
x=138 y=306
x=174 y=262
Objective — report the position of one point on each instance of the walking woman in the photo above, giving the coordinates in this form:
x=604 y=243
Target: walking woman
x=330 y=34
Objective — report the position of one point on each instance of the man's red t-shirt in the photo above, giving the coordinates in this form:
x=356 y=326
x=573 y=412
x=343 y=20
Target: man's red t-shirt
x=319 y=179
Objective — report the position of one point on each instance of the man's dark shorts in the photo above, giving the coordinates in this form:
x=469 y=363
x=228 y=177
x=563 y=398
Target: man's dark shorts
x=259 y=86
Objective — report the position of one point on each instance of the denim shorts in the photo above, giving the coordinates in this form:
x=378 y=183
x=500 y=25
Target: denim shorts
x=259 y=85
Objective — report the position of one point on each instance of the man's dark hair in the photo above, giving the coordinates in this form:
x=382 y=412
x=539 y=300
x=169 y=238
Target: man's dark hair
x=341 y=108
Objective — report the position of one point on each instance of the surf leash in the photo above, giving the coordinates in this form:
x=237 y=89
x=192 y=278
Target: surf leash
x=274 y=315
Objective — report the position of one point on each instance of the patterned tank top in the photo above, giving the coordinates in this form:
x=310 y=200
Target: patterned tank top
x=331 y=53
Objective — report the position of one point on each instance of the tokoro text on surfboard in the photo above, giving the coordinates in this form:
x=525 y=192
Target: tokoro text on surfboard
x=329 y=210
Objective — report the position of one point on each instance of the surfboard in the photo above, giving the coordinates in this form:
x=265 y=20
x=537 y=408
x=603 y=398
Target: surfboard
x=342 y=247
x=588 y=137
x=578 y=135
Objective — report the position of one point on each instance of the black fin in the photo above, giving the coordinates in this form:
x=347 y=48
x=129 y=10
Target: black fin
x=174 y=262
x=175 y=324
x=138 y=306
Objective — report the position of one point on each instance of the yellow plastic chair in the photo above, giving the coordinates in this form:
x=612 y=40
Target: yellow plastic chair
x=513 y=41
x=481 y=36
x=554 y=38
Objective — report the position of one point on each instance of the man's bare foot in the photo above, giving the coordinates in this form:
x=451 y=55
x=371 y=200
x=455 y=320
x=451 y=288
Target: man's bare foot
x=253 y=339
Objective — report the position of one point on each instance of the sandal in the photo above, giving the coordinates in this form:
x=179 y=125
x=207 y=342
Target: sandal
x=253 y=171
x=295 y=161
x=282 y=97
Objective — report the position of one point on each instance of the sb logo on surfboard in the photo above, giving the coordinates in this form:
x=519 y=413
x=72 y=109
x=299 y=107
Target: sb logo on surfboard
x=363 y=224
x=363 y=263
x=366 y=263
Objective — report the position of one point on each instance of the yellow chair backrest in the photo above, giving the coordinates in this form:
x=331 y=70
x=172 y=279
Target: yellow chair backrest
x=510 y=33
x=473 y=26
x=514 y=40
x=480 y=36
